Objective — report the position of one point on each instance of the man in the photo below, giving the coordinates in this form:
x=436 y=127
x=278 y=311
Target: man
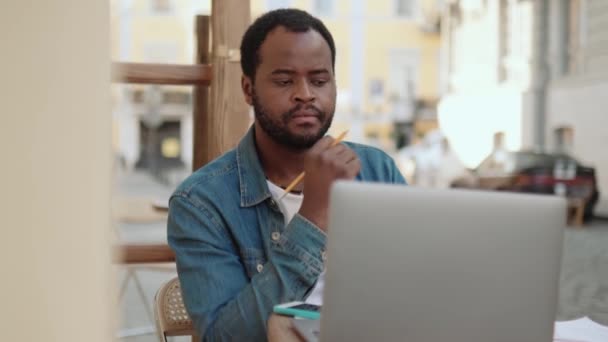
x=240 y=250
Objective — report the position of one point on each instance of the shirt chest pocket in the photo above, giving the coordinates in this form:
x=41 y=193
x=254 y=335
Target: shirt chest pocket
x=254 y=260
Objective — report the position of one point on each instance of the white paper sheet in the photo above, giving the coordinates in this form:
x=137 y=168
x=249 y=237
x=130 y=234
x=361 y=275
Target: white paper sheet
x=580 y=330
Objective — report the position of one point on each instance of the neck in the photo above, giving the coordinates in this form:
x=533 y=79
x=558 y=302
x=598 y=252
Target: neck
x=281 y=164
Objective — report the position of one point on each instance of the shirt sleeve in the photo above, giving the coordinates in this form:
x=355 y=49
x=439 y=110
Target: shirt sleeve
x=395 y=175
x=223 y=302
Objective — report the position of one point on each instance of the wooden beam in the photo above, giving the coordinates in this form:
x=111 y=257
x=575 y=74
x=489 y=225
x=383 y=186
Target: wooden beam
x=201 y=94
x=143 y=254
x=228 y=118
x=161 y=73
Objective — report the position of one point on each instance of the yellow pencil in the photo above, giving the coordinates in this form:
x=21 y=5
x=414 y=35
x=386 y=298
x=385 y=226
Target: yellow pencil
x=300 y=177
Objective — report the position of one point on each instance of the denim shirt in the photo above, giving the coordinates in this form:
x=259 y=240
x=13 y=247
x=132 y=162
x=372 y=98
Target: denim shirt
x=236 y=258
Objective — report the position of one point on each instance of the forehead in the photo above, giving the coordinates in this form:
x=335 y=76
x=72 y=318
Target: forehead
x=297 y=50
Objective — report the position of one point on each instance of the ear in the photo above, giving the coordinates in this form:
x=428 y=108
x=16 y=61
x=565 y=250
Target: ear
x=247 y=87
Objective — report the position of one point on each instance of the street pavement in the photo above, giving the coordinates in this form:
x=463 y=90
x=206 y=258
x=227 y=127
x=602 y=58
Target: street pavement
x=584 y=273
x=583 y=284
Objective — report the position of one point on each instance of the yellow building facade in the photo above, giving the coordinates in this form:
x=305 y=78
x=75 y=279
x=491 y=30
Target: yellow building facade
x=387 y=64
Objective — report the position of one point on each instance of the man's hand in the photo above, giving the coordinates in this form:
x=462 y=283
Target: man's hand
x=281 y=329
x=323 y=165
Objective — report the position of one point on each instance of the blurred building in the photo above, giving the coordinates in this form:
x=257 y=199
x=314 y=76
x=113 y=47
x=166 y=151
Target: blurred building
x=577 y=101
x=534 y=70
x=387 y=71
x=487 y=74
x=152 y=124
x=387 y=65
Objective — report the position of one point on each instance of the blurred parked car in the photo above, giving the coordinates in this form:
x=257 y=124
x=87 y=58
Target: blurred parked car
x=543 y=173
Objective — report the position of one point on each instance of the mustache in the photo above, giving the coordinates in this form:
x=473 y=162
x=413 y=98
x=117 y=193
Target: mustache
x=289 y=114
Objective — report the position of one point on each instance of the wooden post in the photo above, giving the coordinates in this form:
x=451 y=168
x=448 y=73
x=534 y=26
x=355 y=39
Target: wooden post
x=200 y=155
x=228 y=118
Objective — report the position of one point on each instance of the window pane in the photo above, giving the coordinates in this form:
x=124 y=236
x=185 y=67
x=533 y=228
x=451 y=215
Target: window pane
x=405 y=7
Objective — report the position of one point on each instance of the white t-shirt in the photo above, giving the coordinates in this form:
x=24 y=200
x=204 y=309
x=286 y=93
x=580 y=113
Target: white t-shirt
x=290 y=205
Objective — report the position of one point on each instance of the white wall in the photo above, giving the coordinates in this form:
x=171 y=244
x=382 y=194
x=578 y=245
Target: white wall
x=479 y=104
x=583 y=105
x=55 y=178
x=470 y=121
x=579 y=99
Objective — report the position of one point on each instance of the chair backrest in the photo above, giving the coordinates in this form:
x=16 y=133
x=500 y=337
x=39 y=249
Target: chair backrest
x=170 y=314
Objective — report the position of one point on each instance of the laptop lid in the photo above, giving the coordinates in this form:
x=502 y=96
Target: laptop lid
x=411 y=264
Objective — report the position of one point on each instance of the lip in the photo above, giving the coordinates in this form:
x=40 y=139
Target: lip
x=305 y=114
x=305 y=120
x=305 y=117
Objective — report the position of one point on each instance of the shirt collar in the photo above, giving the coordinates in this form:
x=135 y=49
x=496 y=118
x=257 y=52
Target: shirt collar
x=252 y=179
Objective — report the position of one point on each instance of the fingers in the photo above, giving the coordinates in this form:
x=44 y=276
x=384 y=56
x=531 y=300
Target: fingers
x=324 y=164
x=349 y=163
x=354 y=166
x=322 y=145
x=325 y=143
x=340 y=158
x=342 y=155
x=343 y=159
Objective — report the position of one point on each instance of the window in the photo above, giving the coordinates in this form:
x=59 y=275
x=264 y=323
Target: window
x=402 y=79
x=324 y=8
x=275 y=4
x=161 y=6
x=376 y=91
x=404 y=8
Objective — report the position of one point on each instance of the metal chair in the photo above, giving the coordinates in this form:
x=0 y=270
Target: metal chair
x=170 y=314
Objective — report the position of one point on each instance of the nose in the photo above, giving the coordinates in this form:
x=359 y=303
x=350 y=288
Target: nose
x=303 y=93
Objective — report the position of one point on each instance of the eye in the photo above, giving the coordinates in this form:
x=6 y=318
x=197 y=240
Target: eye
x=282 y=82
x=319 y=82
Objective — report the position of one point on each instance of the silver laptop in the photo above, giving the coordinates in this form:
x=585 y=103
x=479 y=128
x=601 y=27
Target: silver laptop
x=409 y=264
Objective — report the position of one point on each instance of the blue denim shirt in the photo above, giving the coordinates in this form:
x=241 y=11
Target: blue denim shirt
x=236 y=258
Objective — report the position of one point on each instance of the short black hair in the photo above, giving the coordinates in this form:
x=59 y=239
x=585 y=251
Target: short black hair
x=294 y=20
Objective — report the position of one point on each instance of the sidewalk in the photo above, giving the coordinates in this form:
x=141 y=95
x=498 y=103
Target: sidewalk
x=584 y=273
x=135 y=221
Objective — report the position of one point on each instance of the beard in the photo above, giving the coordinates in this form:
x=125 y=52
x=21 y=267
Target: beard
x=278 y=129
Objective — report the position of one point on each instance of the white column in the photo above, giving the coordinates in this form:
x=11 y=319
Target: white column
x=126 y=22
x=534 y=112
x=55 y=179
x=128 y=122
x=491 y=21
x=186 y=132
x=128 y=129
x=445 y=51
x=558 y=29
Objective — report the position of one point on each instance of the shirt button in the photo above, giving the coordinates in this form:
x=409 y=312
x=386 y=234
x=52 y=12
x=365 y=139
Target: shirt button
x=260 y=268
x=273 y=204
x=275 y=236
x=324 y=255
